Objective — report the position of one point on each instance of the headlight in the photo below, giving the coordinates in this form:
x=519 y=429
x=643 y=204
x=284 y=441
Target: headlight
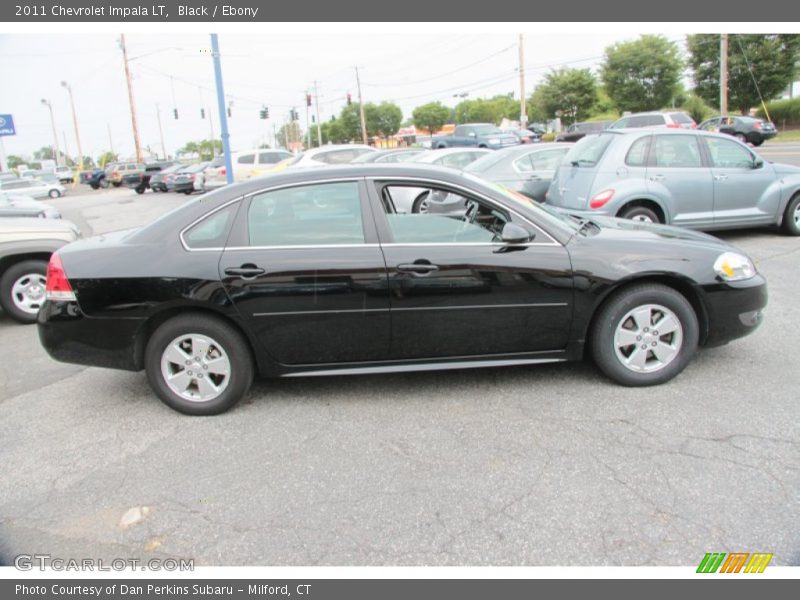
x=494 y=141
x=731 y=266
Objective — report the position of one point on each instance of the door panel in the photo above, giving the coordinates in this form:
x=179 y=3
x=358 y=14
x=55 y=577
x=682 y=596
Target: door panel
x=311 y=284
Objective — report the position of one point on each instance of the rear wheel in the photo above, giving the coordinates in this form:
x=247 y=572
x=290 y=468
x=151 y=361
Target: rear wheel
x=644 y=214
x=421 y=203
x=54 y=193
x=791 y=217
x=198 y=364
x=644 y=335
x=22 y=290
x=741 y=137
x=140 y=190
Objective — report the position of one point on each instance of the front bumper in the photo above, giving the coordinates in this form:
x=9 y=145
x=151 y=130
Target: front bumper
x=734 y=309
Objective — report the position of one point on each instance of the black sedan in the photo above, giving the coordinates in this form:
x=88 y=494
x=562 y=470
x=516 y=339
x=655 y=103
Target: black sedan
x=314 y=272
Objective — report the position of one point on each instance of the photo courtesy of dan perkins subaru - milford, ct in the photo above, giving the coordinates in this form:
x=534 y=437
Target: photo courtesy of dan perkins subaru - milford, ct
x=316 y=272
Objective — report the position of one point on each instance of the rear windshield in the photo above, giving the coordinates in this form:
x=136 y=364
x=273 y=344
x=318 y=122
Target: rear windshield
x=681 y=118
x=589 y=150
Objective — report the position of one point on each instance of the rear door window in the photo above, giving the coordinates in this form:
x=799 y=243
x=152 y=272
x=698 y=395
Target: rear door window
x=246 y=159
x=677 y=151
x=637 y=154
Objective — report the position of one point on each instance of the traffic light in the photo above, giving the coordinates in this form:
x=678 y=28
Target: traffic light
x=263 y=113
x=349 y=99
x=308 y=99
x=229 y=112
x=175 y=113
x=293 y=114
x=202 y=113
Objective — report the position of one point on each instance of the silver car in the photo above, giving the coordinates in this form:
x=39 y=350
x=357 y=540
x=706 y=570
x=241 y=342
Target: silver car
x=25 y=206
x=33 y=187
x=689 y=178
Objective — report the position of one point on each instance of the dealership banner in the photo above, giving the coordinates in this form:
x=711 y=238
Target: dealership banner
x=383 y=589
x=405 y=11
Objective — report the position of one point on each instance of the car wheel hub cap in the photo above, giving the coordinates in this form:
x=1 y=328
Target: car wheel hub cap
x=196 y=367
x=642 y=218
x=28 y=292
x=797 y=215
x=648 y=338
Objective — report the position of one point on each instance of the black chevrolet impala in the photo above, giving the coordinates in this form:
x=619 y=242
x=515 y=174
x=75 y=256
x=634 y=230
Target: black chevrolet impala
x=315 y=272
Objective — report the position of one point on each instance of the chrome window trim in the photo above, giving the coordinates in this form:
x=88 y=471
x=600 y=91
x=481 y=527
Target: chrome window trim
x=491 y=201
x=201 y=218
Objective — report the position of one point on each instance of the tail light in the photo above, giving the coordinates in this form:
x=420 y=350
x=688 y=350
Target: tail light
x=58 y=286
x=674 y=125
x=601 y=198
x=223 y=171
x=757 y=125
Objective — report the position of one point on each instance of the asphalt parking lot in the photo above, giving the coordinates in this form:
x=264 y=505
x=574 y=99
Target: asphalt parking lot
x=548 y=465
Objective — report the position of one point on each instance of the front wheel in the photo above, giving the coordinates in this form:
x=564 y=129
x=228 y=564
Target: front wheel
x=198 y=364
x=643 y=214
x=54 y=193
x=22 y=290
x=791 y=217
x=741 y=137
x=421 y=203
x=644 y=335
x=140 y=190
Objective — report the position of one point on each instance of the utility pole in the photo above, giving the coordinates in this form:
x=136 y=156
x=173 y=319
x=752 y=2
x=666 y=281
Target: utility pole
x=75 y=124
x=308 y=127
x=136 y=143
x=316 y=106
x=723 y=74
x=57 y=157
x=523 y=108
x=361 y=110
x=66 y=149
x=161 y=131
x=223 y=115
x=110 y=140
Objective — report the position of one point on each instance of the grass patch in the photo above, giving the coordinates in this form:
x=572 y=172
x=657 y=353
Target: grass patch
x=792 y=135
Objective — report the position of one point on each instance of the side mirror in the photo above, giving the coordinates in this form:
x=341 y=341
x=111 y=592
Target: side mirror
x=514 y=234
x=758 y=163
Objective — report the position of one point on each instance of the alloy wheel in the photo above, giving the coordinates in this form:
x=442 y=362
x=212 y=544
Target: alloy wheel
x=196 y=367
x=648 y=338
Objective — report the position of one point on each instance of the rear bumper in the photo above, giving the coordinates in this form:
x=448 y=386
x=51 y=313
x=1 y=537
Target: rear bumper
x=734 y=309
x=70 y=336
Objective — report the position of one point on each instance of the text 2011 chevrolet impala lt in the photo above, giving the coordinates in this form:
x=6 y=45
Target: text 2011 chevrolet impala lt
x=315 y=272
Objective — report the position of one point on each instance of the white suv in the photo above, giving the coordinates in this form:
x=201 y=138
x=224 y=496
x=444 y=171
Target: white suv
x=247 y=161
x=673 y=119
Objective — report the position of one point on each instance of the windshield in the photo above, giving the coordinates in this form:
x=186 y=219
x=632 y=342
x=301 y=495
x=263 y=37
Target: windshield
x=681 y=118
x=486 y=130
x=588 y=151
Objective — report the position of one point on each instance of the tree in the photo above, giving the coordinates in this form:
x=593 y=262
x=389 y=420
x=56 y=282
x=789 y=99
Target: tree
x=289 y=133
x=382 y=119
x=45 y=153
x=14 y=161
x=772 y=58
x=431 y=116
x=571 y=93
x=643 y=74
x=107 y=157
x=205 y=149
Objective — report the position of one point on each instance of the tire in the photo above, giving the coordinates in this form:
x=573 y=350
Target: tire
x=104 y=183
x=22 y=290
x=741 y=137
x=95 y=186
x=140 y=190
x=116 y=183
x=791 y=216
x=616 y=323
x=757 y=143
x=644 y=214
x=419 y=203
x=166 y=353
x=54 y=194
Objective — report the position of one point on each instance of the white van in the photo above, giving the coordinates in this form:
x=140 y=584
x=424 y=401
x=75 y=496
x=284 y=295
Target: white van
x=246 y=161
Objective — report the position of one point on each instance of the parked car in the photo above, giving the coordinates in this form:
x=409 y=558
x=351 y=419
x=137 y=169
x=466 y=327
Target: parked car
x=389 y=156
x=333 y=154
x=673 y=120
x=415 y=199
x=158 y=181
x=184 y=180
x=578 y=130
x=213 y=176
x=246 y=162
x=749 y=130
x=95 y=178
x=65 y=174
x=33 y=188
x=5 y=176
x=524 y=136
x=690 y=178
x=267 y=277
x=524 y=169
x=25 y=206
x=119 y=170
x=140 y=180
x=25 y=247
x=480 y=135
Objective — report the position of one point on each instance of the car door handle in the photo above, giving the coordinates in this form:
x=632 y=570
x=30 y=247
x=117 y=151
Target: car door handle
x=247 y=271
x=534 y=178
x=418 y=268
x=722 y=177
x=657 y=178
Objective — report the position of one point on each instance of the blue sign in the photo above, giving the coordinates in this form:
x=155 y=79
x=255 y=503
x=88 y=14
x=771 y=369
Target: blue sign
x=7 y=125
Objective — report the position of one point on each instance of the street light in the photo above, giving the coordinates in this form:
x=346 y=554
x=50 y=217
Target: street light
x=55 y=134
x=75 y=124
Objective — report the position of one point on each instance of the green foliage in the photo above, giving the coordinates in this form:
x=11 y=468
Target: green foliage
x=549 y=136
x=382 y=119
x=783 y=112
x=431 y=116
x=697 y=108
x=487 y=110
x=772 y=58
x=205 y=149
x=289 y=133
x=643 y=74
x=107 y=157
x=45 y=153
x=14 y=161
x=568 y=93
